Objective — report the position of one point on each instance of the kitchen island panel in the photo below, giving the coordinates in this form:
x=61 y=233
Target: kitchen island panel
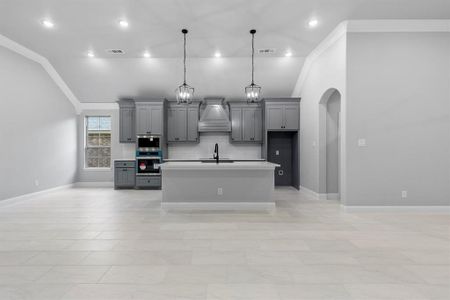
x=218 y=186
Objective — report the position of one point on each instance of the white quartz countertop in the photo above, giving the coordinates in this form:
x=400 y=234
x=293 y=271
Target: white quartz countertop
x=237 y=165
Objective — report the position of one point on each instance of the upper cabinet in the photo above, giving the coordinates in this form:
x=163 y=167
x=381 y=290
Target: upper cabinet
x=246 y=122
x=150 y=117
x=182 y=122
x=281 y=114
x=127 y=122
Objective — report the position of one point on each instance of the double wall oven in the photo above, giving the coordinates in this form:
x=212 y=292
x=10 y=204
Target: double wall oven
x=148 y=159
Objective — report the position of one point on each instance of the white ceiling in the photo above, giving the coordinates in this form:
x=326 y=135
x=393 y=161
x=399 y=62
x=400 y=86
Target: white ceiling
x=82 y=25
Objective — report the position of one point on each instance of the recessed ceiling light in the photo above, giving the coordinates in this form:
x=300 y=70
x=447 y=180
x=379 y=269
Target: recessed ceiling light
x=313 y=23
x=288 y=54
x=146 y=54
x=48 y=23
x=217 y=54
x=123 y=23
x=90 y=54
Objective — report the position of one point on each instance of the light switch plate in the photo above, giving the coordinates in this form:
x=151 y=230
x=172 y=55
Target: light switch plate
x=277 y=152
x=219 y=191
x=361 y=142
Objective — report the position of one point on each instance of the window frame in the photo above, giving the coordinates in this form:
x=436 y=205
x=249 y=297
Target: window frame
x=85 y=142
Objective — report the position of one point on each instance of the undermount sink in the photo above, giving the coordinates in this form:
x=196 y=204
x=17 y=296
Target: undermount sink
x=220 y=161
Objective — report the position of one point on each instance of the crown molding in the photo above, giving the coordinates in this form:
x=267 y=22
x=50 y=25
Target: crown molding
x=24 y=51
x=367 y=26
x=326 y=43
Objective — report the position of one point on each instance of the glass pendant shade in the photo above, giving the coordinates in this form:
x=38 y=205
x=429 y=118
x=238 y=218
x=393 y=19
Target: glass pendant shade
x=253 y=91
x=184 y=93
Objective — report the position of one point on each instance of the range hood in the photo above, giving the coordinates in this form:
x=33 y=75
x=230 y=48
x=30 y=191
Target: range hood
x=214 y=117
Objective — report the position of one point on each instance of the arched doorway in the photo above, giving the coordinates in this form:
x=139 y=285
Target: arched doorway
x=330 y=145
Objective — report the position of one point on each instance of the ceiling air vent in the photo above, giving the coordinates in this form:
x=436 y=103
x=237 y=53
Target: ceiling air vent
x=115 y=51
x=267 y=51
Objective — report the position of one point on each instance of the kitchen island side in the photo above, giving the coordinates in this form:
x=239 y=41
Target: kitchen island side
x=235 y=185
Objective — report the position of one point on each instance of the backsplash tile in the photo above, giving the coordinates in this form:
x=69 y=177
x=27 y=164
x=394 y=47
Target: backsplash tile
x=205 y=148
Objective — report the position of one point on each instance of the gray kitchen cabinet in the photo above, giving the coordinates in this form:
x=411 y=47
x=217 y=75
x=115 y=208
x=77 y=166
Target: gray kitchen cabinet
x=149 y=117
x=282 y=116
x=182 y=123
x=274 y=117
x=124 y=174
x=258 y=121
x=246 y=123
x=177 y=122
x=192 y=124
x=236 y=124
x=148 y=182
x=291 y=116
x=127 y=122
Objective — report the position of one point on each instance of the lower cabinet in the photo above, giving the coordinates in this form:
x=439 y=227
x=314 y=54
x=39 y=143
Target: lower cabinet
x=148 y=181
x=124 y=174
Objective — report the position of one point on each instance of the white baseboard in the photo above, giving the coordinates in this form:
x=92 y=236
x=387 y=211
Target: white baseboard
x=320 y=196
x=218 y=206
x=397 y=208
x=333 y=196
x=309 y=192
x=16 y=199
x=100 y=184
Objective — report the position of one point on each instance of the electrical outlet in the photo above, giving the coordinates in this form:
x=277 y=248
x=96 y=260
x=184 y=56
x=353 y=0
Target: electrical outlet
x=314 y=144
x=277 y=152
x=361 y=142
x=36 y=182
x=404 y=194
x=219 y=191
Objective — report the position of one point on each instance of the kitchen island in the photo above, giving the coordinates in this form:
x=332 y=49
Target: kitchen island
x=223 y=185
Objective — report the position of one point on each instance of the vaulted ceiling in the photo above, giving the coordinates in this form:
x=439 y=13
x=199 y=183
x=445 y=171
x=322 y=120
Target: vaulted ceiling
x=214 y=25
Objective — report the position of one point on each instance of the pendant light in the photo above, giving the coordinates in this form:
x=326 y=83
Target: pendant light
x=184 y=92
x=253 y=91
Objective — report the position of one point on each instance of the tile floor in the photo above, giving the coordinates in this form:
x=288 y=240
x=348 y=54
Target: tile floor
x=88 y=243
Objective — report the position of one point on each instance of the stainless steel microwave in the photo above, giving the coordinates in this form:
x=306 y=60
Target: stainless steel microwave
x=145 y=143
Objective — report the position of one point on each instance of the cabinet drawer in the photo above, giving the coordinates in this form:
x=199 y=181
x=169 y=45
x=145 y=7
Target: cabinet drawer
x=124 y=164
x=148 y=181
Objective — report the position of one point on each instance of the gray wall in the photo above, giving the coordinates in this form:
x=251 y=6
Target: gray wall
x=332 y=147
x=327 y=72
x=398 y=93
x=38 y=129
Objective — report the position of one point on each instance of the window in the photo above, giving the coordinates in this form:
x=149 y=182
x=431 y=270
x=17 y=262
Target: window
x=98 y=142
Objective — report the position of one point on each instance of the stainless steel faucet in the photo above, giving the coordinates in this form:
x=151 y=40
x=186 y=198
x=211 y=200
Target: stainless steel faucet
x=216 y=153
